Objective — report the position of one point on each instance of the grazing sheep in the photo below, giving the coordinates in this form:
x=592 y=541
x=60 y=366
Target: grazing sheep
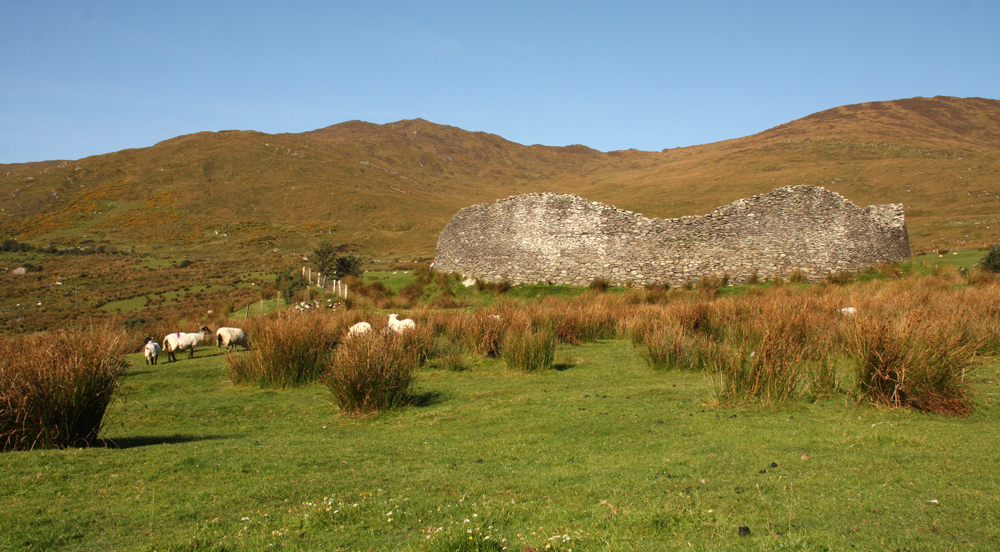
x=358 y=329
x=848 y=311
x=400 y=326
x=184 y=342
x=230 y=338
x=152 y=351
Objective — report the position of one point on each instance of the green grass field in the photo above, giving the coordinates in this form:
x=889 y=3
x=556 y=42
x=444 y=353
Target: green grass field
x=600 y=454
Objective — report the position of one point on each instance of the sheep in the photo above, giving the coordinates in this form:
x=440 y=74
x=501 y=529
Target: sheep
x=358 y=329
x=152 y=351
x=400 y=326
x=184 y=342
x=848 y=311
x=230 y=338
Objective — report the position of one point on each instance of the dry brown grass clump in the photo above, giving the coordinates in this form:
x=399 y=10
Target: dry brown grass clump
x=290 y=349
x=372 y=372
x=55 y=389
x=914 y=360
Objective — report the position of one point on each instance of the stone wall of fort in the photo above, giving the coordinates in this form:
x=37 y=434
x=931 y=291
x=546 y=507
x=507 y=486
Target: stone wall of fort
x=565 y=239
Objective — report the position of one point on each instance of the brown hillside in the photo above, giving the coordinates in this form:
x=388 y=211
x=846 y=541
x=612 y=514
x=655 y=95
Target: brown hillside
x=390 y=189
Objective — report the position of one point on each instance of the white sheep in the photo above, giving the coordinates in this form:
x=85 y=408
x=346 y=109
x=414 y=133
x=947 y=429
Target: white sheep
x=230 y=338
x=358 y=329
x=848 y=311
x=400 y=326
x=152 y=351
x=184 y=342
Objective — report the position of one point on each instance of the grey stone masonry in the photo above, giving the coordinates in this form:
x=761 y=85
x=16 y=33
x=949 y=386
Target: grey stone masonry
x=565 y=239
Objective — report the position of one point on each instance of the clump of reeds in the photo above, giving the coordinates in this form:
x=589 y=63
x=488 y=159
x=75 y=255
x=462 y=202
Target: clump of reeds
x=290 y=349
x=55 y=389
x=771 y=348
x=528 y=348
x=586 y=319
x=665 y=345
x=763 y=367
x=450 y=356
x=371 y=372
x=913 y=361
x=420 y=343
x=599 y=285
x=484 y=333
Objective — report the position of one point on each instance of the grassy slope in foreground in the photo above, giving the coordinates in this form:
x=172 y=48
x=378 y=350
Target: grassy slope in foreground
x=603 y=455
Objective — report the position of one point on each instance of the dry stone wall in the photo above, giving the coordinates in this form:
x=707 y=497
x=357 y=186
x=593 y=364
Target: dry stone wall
x=565 y=239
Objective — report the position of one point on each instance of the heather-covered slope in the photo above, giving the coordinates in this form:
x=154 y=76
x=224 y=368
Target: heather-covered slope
x=390 y=189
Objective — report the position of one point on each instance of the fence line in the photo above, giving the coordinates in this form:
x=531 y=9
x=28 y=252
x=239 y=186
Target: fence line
x=321 y=281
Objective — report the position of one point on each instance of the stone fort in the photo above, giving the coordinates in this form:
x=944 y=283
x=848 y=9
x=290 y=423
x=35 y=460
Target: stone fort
x=565 y=239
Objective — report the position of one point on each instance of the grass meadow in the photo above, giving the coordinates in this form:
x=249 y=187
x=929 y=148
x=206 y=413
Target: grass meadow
x=752 y=418
x=600 y=453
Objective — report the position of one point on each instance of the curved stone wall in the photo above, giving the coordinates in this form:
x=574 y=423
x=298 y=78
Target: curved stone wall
x=565 y=239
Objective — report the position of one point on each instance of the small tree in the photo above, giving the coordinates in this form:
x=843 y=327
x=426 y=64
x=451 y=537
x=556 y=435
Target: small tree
x=991 y=261
x=289 y=283
x=348 y=265
x=324 y=258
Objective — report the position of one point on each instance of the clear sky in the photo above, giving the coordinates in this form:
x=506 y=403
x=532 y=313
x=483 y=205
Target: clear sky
x=80 y=78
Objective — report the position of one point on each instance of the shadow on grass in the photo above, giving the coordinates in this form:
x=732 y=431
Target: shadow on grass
x=562 y=366
x=429 y=398
x=147 y=440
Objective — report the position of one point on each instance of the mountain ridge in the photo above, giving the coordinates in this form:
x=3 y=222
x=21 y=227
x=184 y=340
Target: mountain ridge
x=389 y=189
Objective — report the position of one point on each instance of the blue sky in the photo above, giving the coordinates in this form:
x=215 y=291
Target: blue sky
x=84 y=78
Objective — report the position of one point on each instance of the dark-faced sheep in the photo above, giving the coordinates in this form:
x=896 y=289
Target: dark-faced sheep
x=229 y=338
x=152 y=351
x=184 y=342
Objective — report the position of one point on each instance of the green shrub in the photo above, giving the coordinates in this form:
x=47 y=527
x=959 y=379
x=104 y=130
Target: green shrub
x=371 y=372
x=529 y=349
x=289 y=283
x=348 y=265
x=991 y=261
x=323 y=258
x=55 y=389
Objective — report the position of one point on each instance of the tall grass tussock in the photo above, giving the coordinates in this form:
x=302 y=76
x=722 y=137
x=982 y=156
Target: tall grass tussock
x=529 y=349
x=290 y=349
x=912 y=361
x=372 y=372
x=55 y=389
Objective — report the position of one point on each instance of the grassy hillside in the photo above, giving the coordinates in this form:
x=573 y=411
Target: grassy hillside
x=388 y=190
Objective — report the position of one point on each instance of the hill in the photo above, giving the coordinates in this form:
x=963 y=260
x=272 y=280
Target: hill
x=388 y=190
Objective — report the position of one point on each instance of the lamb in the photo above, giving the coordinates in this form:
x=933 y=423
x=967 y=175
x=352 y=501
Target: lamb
x=152 y=351
x=400 y=326
x=184 y=342
x=230 y=338
x=358 y=329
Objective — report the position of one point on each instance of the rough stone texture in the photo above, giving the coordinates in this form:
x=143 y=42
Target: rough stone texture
x=565 y=239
